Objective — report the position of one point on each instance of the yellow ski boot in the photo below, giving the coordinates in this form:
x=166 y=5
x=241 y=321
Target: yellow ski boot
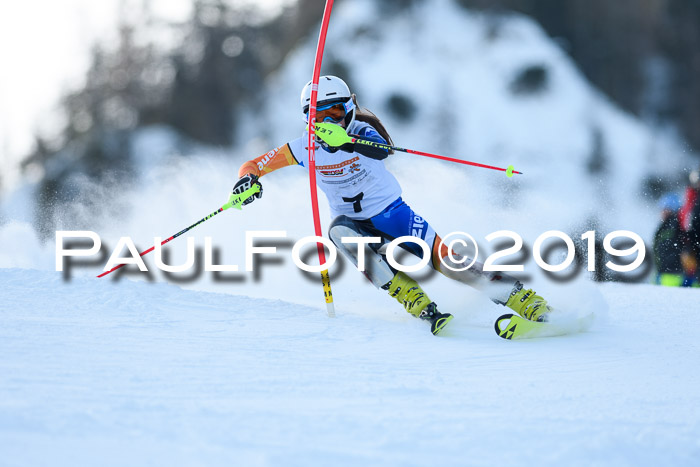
x=409 y=294
x=528 y=304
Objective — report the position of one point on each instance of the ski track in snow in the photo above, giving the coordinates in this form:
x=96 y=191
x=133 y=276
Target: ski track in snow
x=131 y=373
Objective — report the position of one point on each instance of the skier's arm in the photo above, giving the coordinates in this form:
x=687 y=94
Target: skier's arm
x=252 y=170
x=269 y=162
x=373 y=152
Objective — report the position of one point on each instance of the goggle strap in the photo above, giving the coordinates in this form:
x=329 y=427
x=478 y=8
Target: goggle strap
x=349 y=105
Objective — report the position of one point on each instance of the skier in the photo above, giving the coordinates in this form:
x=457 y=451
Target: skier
x=365 y=200
x=668 y=243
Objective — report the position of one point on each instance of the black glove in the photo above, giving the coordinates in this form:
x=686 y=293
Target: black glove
x=245 y=183
x=347 y=147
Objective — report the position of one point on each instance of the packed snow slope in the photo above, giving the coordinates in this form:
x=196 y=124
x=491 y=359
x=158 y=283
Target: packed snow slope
x=94 y=372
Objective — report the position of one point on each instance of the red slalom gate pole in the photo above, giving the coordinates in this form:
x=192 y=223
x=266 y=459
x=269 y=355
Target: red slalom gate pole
x=325 y=277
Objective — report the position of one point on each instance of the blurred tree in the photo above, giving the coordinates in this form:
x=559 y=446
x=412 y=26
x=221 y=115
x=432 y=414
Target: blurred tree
x=401 y=106
x=530 y=80
x=598 y=159
x=628 y=49
x=194 y=86
x=680 y=41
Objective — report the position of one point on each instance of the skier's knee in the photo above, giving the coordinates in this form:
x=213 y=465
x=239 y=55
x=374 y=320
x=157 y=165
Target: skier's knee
x=376 y=268
x=343 y=226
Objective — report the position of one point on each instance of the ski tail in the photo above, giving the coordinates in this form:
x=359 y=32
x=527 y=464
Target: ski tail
x=514 y=327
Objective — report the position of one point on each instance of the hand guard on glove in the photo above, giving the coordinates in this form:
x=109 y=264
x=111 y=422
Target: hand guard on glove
x=246 y=182
x=332 y=137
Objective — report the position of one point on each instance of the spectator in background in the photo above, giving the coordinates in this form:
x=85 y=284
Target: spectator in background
x=689 y=218
x=668 y=242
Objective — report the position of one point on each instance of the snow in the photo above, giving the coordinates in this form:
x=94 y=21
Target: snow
x=141 y=374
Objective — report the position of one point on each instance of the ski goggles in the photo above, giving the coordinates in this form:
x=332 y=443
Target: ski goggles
x=333 y=112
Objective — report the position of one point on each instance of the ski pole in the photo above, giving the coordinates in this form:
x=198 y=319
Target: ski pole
x=234 y=201
x=339 y=137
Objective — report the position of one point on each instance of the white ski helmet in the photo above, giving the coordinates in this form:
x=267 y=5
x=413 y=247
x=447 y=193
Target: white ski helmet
x=331 y=89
